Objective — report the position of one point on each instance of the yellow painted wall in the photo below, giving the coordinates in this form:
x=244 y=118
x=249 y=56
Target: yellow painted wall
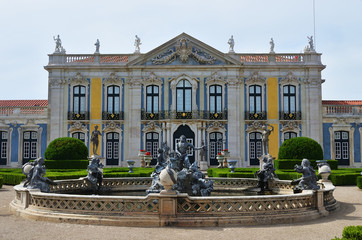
x=96 y=99
x=273 y=115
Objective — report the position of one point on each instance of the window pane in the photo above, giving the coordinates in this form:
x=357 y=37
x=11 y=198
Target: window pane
x=337 y=135
x=27 y=135
x=292 y=89
x=187 y=100
x=110 y=105
x=34 y=135
x=187 y=83
x=155 y=104
x=292 y=104
x=179 y=100
x=218 y=106
x=344 y=135
x=82 y=104
x=4 y=135
x=251 y=89
x=212 y=104
x=4 y=149
x=116 y=136
x=286 y=104
x=82 y=90
x=76 y=90
x=258 y=104
x=116 y=90
x=252 y=104
x=76 y=104
x=116 y=105
x=110 y=90
x=285 y=90
x=115 y=152
x=155 y=89
x=149 y=89
x=218 y=89
x=257 y=89
x=212 y=89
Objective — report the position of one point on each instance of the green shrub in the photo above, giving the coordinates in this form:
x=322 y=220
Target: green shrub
x=290 y=163
x=359 y=182
x=1 y=182
x=66 y=148
x=299 y=148
x=288 y=175
x=351 y=233
x=240 y=175
x=344 y=178
x=10 y=178
x=66 y=164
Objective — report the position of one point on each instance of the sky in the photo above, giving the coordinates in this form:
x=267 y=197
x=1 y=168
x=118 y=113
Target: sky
x=27 y=29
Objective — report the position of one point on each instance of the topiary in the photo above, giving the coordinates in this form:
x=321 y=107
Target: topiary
x=299 y=148
x=66 y=148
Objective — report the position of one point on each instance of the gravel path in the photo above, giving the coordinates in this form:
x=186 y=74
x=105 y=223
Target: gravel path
x=350 y=213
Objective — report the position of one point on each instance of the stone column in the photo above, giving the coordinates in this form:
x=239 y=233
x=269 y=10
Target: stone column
x=56 y=107
x=234 y=127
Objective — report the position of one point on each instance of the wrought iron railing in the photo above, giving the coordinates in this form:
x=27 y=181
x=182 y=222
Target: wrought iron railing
x=78 y=115
x=112 y=116
x=184 y=115
x=255 y=115
x=290 y=115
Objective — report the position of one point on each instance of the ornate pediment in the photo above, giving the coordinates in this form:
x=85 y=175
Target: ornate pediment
x=215 y=78
x=255 y=126
x=153 y=79
x=290 y=126
x=78 y=127
x=215 y=126
x=289 y=79
x=255 y=78
x=151 y=127
x=78 y=79
x=113 y=79
x=184 y=50
x=112 y=127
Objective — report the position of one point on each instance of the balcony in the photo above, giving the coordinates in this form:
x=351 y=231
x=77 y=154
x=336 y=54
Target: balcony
x=112 y=116
x=255 y=115
x=78 y=115
x=290 y=115
x=342 y=110
x=205 y=115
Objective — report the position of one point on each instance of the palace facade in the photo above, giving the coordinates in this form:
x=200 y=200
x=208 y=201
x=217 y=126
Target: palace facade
x=183 y=87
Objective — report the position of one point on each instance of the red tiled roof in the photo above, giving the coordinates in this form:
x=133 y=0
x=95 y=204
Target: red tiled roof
x=23 y=103
x=342 y=102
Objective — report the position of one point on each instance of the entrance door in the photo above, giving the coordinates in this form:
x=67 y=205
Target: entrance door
x=152 y=145
x=254 y=148
x=3 y=147
x=215 y=146
x=341 y=141
x=112 y=157
x=30 y=143
x=190 y=137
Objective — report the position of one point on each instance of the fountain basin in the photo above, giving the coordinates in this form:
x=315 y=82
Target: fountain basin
x=171 y=210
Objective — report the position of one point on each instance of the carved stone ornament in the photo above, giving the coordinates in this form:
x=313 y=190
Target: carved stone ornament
x=183 y=50
x=151 y=127
x=254 y=126
x=79 y=79
x=56 y=82
x=112 y=127
x=153 y=79
x=234 y=81
x=215 y=77
x=175 y=80
x=215 y=126
x=255 y=78
x=135 y=82
x=113 y=79
x=290 y=126
x=78 y=126
x=289 y=79
x=313 y=81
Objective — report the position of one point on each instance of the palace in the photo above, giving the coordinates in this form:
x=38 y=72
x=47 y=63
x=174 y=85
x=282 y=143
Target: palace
x=183 y=87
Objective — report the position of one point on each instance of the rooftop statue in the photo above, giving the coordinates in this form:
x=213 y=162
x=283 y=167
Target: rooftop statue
x=272 y=45
x=311 y=43
x=231 y=44
x=58 y=45
x=97 y=44
x=35 y=172
x=137 y=44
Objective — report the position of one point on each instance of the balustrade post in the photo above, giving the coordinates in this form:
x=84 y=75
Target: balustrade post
x=319 y=202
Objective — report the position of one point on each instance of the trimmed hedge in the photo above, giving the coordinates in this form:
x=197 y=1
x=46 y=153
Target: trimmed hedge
x=359 y=182
x=240 y=175
x=344 y=179
x=351 y=233
x=66 y=148
x=10 y=178
x=299 y=148
x=1 y=182
x=290 y=163
x=66 y=164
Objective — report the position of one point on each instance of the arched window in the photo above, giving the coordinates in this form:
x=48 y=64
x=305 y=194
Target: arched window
x=79 y=135
x=183 y=96
x=152 y=96
x=289 y=99
x=255 y=147
x=341 y=142
x=3 y=147
x=215 y=99
x=112 y=148
x=113 y=99
x=30 y=139
x=289 y=135
x=79 y=99
x=255 y=99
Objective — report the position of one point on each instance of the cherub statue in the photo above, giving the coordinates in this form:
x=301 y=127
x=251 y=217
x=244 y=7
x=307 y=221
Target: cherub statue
x=35 y=177
x=95 y=176
x=309 y=178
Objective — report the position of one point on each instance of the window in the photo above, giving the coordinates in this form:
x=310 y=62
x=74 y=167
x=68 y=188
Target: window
x=289 y=99
x=341 y=144
x=152 y=145
x=255 y=100
x=79 y=99
x=216 y=144
x=3 y=147
x=289 y=135
x=152 y=95
x=79 y=135
x=113 y=99
x=29 y=146
x=112 y=148
x=183 y=96
x=255 y=148
x=215 y=98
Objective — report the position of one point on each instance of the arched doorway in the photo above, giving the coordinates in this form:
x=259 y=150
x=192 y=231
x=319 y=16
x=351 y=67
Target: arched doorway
x=190 y=137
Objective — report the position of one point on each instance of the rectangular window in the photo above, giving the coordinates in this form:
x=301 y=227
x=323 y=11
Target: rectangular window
x=338 y=150
x=33 y=150
x=345 y=154
x=155 y=149
x=115 y=150
x=345 y=135
x=34 y=135
x=252 y=150
x=4 y=135
x=258 y=149
x=109 y=150
x=212 y=150
x=4 y=149
x=149 y=147
x=26 y=149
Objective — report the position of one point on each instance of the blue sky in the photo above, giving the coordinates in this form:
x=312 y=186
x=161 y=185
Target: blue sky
x=27 y=30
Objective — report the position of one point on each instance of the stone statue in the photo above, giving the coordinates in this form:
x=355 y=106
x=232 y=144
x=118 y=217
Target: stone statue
x=231 y=44
x=35 y=176
x=97 y=44
x=272 y=45
x=58 y=45
x=95 y=176
x=311 y=44
x=95 y=139
x=309 y=178
x=137 y=44
x=266 y=173
x=265 y=138
x=181 y=149
x=202 y=151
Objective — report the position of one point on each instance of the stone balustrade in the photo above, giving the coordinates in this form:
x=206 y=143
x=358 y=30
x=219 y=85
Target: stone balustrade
x=335 y=110
x=23 y=111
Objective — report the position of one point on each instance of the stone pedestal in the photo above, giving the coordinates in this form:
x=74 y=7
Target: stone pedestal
x=203 y=166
